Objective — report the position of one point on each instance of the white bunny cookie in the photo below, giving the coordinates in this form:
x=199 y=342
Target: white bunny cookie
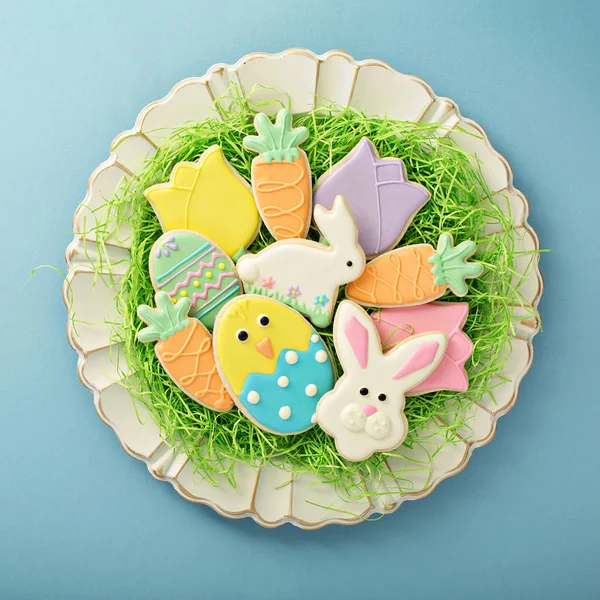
x=364 y=412
x=304 y=274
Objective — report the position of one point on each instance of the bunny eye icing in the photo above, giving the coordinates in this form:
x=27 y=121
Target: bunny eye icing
x=363 y=391
x=242 y=335
x=349 y=263
x=382 y=397
x=263 y=320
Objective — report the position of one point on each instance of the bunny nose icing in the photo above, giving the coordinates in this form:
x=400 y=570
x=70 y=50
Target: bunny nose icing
x=265 y=347
x=369 y=409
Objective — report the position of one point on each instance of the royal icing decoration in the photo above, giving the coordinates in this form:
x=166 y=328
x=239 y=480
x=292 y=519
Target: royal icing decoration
x=304 y=274
x=281 y=175
x=365 y=411
x=416 y=274
x=211 y=198
x=271 y=360
x=184 y=348
x=397 y=324
x=185 y=264
x=382 y=200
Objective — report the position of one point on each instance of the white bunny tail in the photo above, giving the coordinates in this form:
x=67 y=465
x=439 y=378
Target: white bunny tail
x=247 y=269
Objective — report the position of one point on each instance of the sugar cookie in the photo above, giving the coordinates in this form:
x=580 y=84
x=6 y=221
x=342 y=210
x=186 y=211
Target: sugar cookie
x=210 y=197
x=402 y=322
x=304 y=274
x=416 y=274
x=281 y=175
x=382 y=200
x=266 y=354
x=364 y=412
x=184 y=348
x=188 y=265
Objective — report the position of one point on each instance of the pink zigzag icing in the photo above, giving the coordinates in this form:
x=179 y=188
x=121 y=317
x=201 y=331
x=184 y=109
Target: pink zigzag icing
x=207 y=287
x=197 y=273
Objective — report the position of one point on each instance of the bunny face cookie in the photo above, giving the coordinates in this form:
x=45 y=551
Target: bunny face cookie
x=306 y=275
x=364 y=412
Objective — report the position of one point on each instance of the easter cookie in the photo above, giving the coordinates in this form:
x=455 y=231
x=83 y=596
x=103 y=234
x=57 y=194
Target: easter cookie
x=281 y=175
x=364 y=413
x=274 y=364
x=304 y=274
x=416 y=274
x=184 y=348
x=188 y=265
x=382 y=200
x=210 y=197
x=397 y=324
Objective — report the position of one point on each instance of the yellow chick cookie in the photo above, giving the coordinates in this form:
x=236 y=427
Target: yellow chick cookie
x=274 y=364
x=211 y=198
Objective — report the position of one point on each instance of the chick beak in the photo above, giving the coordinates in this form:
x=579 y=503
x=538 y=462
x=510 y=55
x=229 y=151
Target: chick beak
x=265 y=347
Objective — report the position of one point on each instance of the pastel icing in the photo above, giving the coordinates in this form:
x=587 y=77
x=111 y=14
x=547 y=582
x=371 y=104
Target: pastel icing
x=381 y=198
x=185 y=264
x=364 y=413
x=268 y=356
x=209 y=197
x=184 y=348
x=281 y=179
x=304 y=274
x=299 y=400
x=416 y=274
x=397 y=324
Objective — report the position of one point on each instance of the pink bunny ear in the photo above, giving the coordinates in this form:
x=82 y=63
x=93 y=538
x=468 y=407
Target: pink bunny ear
x=358 y=336
x=422 y=357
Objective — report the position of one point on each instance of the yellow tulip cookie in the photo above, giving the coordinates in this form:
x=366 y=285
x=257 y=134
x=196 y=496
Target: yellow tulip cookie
x=211 y=198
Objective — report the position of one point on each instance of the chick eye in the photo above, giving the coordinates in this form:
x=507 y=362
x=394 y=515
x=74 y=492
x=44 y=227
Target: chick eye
x=263 y=320
x=363 y=391
x=382 y=397
x=349 y=263
x=242 y=335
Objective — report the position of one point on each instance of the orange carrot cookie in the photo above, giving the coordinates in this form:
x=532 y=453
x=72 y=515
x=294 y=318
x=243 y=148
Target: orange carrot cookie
x=281 y=175
x=184 y=348
x=415 y=274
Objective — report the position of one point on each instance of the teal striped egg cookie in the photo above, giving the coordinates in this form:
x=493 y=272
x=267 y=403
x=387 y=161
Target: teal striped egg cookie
x=186 y=264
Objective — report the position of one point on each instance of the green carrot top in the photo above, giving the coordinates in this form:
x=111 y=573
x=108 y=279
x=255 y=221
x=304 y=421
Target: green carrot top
x=451 y=267
x=276 y=141
x=165 y=320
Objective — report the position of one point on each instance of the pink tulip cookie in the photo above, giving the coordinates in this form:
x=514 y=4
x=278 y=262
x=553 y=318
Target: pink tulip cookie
x=397 y=324
x=364 y=412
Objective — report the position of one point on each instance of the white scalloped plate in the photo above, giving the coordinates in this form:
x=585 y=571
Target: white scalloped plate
x=268 y=495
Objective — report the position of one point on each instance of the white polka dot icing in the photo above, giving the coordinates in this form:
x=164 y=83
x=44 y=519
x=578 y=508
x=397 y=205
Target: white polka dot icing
x=314 y=338
x=283 y=381
x=253 y=397
x=285 y=412
x=291 y=357
x=311 y=390
x=321 y=356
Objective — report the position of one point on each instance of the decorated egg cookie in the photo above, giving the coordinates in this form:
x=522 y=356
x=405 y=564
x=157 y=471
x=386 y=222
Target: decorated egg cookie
x=184 y=348
x=382 y=200
x=274 y=364
x=185 y=264
x=211 y=198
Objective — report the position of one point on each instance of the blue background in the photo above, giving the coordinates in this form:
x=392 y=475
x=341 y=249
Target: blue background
x=80 y=519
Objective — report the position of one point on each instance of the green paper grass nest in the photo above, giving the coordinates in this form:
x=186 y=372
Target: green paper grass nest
x=460 y=203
